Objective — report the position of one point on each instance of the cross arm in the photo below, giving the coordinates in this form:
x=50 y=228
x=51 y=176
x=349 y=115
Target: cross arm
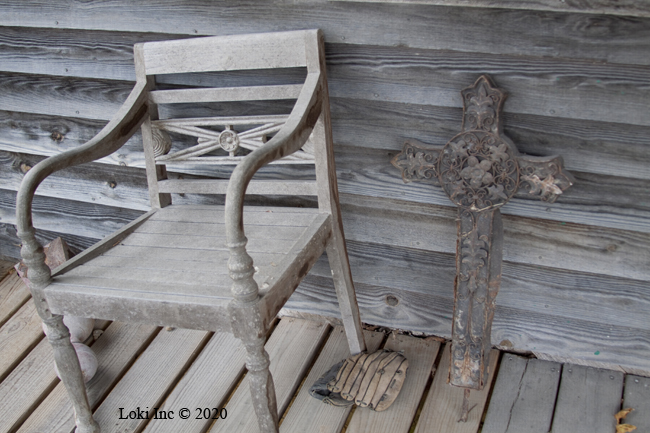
x=417 y=161
x=543 y=176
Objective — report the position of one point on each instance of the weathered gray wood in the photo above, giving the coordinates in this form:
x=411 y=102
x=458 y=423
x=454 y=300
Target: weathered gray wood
x=13 y=295
x=18 y=336
x=597 y=341
x=523 y=399
x=207 y=383
x=620 y=40
x=35 y=378
x=629 y=7
x=236 y=52
x=297 y=187
x=253 y=93
x=578 y=90
x=586 y=146
x=442 y=407
x=505 y=393
x=421 y=355
x=637 y=396
x=309 y=414
x=147 y=382
x=116 y=349
x=535 y=289
x=292 y=347
x=5 y=268
x=587 y=400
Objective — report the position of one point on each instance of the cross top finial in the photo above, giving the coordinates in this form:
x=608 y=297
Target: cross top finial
x=482 y=104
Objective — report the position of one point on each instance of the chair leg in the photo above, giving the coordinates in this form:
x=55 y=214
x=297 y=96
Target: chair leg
x=261 y=386
x=70 y=372
x=338 y=257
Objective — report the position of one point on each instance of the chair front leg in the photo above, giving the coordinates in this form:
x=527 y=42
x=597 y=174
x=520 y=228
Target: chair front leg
x=58 y=334
x=261 y=385
x=70 y=372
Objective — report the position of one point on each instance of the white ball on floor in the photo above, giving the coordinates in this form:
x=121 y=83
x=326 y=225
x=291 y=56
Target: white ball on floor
x=87 y=361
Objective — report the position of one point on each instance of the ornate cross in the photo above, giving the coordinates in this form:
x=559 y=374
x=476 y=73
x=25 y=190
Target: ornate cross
x=480 y=169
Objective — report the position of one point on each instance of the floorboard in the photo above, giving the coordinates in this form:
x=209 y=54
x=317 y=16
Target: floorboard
x=637 y=397
x=587 y=400
x=27 y=384
x=442 y=408
x=18 y=336
x=13 y=295
x=524 y=395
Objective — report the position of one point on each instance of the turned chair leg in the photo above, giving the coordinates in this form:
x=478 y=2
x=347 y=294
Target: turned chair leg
x=261 y=386
x=340 y=265
x=70 y=372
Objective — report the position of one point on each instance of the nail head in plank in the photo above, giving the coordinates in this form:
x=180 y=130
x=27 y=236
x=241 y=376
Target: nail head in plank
x=421 y=355
x=637 y=396
x=588 y=400
x=442 y=407
x=116 y=349
x=308 y=414
x=291 y=349
x=206 y=384
x=148 y=380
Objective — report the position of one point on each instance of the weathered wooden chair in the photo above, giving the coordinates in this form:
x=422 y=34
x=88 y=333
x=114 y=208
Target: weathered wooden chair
x=168 y=266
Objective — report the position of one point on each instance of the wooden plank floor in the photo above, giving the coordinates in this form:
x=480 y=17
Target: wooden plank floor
x=144 y=367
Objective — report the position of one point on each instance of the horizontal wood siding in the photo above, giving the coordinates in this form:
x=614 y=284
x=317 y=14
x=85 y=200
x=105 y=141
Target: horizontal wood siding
x=576 y=279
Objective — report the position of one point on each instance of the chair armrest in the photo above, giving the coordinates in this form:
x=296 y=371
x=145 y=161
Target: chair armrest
x=113 y=136
x=289 y=139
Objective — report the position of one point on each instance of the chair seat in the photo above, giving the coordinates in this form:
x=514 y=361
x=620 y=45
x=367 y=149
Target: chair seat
x=172 y=270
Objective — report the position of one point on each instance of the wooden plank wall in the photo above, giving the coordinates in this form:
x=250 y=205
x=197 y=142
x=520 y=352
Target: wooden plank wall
x=575 y=281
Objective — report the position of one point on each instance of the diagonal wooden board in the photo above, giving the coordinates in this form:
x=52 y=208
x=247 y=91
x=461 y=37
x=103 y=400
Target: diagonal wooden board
x=13 y=295
x=308 y=414
x=637 y=396
x=116 y=349
x=443 y=404
x=292 y=348
x=147 y=382
x=588 y=400
x=205 y=385
x=524 y=395
x=421 y=355
x=18 y=336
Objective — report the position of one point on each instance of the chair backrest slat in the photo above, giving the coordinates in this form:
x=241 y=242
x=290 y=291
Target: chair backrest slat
x=222 y=94
x=223 y=53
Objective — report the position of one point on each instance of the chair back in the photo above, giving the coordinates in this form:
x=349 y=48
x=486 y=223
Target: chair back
x=195 y=86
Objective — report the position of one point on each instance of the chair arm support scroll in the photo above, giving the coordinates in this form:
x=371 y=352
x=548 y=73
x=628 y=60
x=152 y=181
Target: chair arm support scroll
x=113 y=136
x=289 y=139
